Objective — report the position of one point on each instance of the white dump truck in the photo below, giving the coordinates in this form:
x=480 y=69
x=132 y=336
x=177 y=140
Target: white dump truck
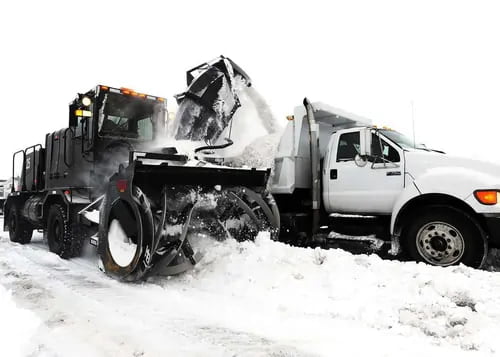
x=335 y=171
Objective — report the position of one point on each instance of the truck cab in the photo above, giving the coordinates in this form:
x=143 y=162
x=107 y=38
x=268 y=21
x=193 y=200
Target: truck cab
x=362 y=184
x=423 y=203
x=105 y=124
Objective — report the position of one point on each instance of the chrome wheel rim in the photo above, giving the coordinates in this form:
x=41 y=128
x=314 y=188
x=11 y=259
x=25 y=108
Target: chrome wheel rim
x=440 y=243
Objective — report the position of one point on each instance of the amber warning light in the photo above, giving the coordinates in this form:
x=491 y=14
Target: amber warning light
x=131 y=92
x=487 y=197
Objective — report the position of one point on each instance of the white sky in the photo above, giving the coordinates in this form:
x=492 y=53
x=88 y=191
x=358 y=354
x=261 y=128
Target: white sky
x=367 y=57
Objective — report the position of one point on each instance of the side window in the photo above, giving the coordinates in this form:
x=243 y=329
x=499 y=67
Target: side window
x=381 y=149
x=348 y=146
x=145 y=128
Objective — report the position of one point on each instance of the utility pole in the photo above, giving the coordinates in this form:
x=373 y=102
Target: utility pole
x=413 y=123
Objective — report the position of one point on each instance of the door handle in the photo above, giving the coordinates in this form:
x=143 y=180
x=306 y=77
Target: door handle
x=333 y=174
x=393 y=173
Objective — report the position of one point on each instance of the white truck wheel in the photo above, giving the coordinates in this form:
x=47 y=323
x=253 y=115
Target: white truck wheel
x=444 y=236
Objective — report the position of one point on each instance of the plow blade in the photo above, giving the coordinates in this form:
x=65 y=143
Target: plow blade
x=153 y=208
x=210 y=101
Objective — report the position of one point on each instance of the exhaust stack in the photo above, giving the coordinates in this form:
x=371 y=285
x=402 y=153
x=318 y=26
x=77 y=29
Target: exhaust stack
x=315 y=167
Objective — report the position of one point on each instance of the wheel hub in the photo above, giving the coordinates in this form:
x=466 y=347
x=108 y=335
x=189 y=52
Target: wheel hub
x=440 y=243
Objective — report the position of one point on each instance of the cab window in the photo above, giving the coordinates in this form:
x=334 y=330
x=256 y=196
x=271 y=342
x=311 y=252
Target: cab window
x=381 y=149
x=348 y=146
x=145 y=128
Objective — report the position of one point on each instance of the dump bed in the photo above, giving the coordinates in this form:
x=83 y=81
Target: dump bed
x=292 y=161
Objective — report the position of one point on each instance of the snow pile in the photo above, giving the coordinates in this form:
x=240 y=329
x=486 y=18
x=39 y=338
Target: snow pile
x=17 y=327
x=326 y=301
x=121 y=247
x=252 y=299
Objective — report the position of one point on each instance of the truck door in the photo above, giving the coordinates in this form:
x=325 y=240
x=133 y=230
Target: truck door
x=351 y=187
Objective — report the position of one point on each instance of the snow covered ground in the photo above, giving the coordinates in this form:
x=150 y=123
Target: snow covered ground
x=246 y=299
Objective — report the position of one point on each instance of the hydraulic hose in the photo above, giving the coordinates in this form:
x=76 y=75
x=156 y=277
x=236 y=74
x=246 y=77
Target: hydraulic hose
x=214 y=147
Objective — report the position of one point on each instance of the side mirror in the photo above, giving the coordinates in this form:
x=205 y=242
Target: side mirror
x=365 y=147
x=73 y=119
x=81 y=107
x=360 y=161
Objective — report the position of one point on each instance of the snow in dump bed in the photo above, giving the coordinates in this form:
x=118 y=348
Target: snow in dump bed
x=256 y=299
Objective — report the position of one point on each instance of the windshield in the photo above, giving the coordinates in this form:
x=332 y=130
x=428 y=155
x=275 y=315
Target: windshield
x=124 y=116
x=400 y=139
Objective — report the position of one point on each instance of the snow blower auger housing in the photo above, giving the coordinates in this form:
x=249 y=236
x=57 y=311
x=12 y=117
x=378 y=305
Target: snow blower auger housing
x=158 y=198
x=108 y=179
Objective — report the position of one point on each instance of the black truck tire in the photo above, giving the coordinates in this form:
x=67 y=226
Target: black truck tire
x=20 y=230
x=65 y=239
x=79 y=233
x=145 y=229
x=443 y=236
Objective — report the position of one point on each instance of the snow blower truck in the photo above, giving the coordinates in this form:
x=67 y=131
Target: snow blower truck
x=107 y=178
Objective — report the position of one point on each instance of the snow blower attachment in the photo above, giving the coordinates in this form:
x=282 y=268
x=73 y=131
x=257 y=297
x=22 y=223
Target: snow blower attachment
x=210 y=101
x=151 y=205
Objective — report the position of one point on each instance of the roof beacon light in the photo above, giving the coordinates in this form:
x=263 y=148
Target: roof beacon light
x=128 y=91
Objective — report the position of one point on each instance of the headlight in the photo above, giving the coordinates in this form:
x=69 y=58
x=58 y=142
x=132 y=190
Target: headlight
x=86 y=101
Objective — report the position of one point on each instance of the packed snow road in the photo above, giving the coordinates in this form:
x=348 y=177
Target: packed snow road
x=247 y=299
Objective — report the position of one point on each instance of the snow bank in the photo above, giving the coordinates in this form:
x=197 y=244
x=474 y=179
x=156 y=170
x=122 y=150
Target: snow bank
x=312 y=296
x=17 y=327
x=251 y=299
